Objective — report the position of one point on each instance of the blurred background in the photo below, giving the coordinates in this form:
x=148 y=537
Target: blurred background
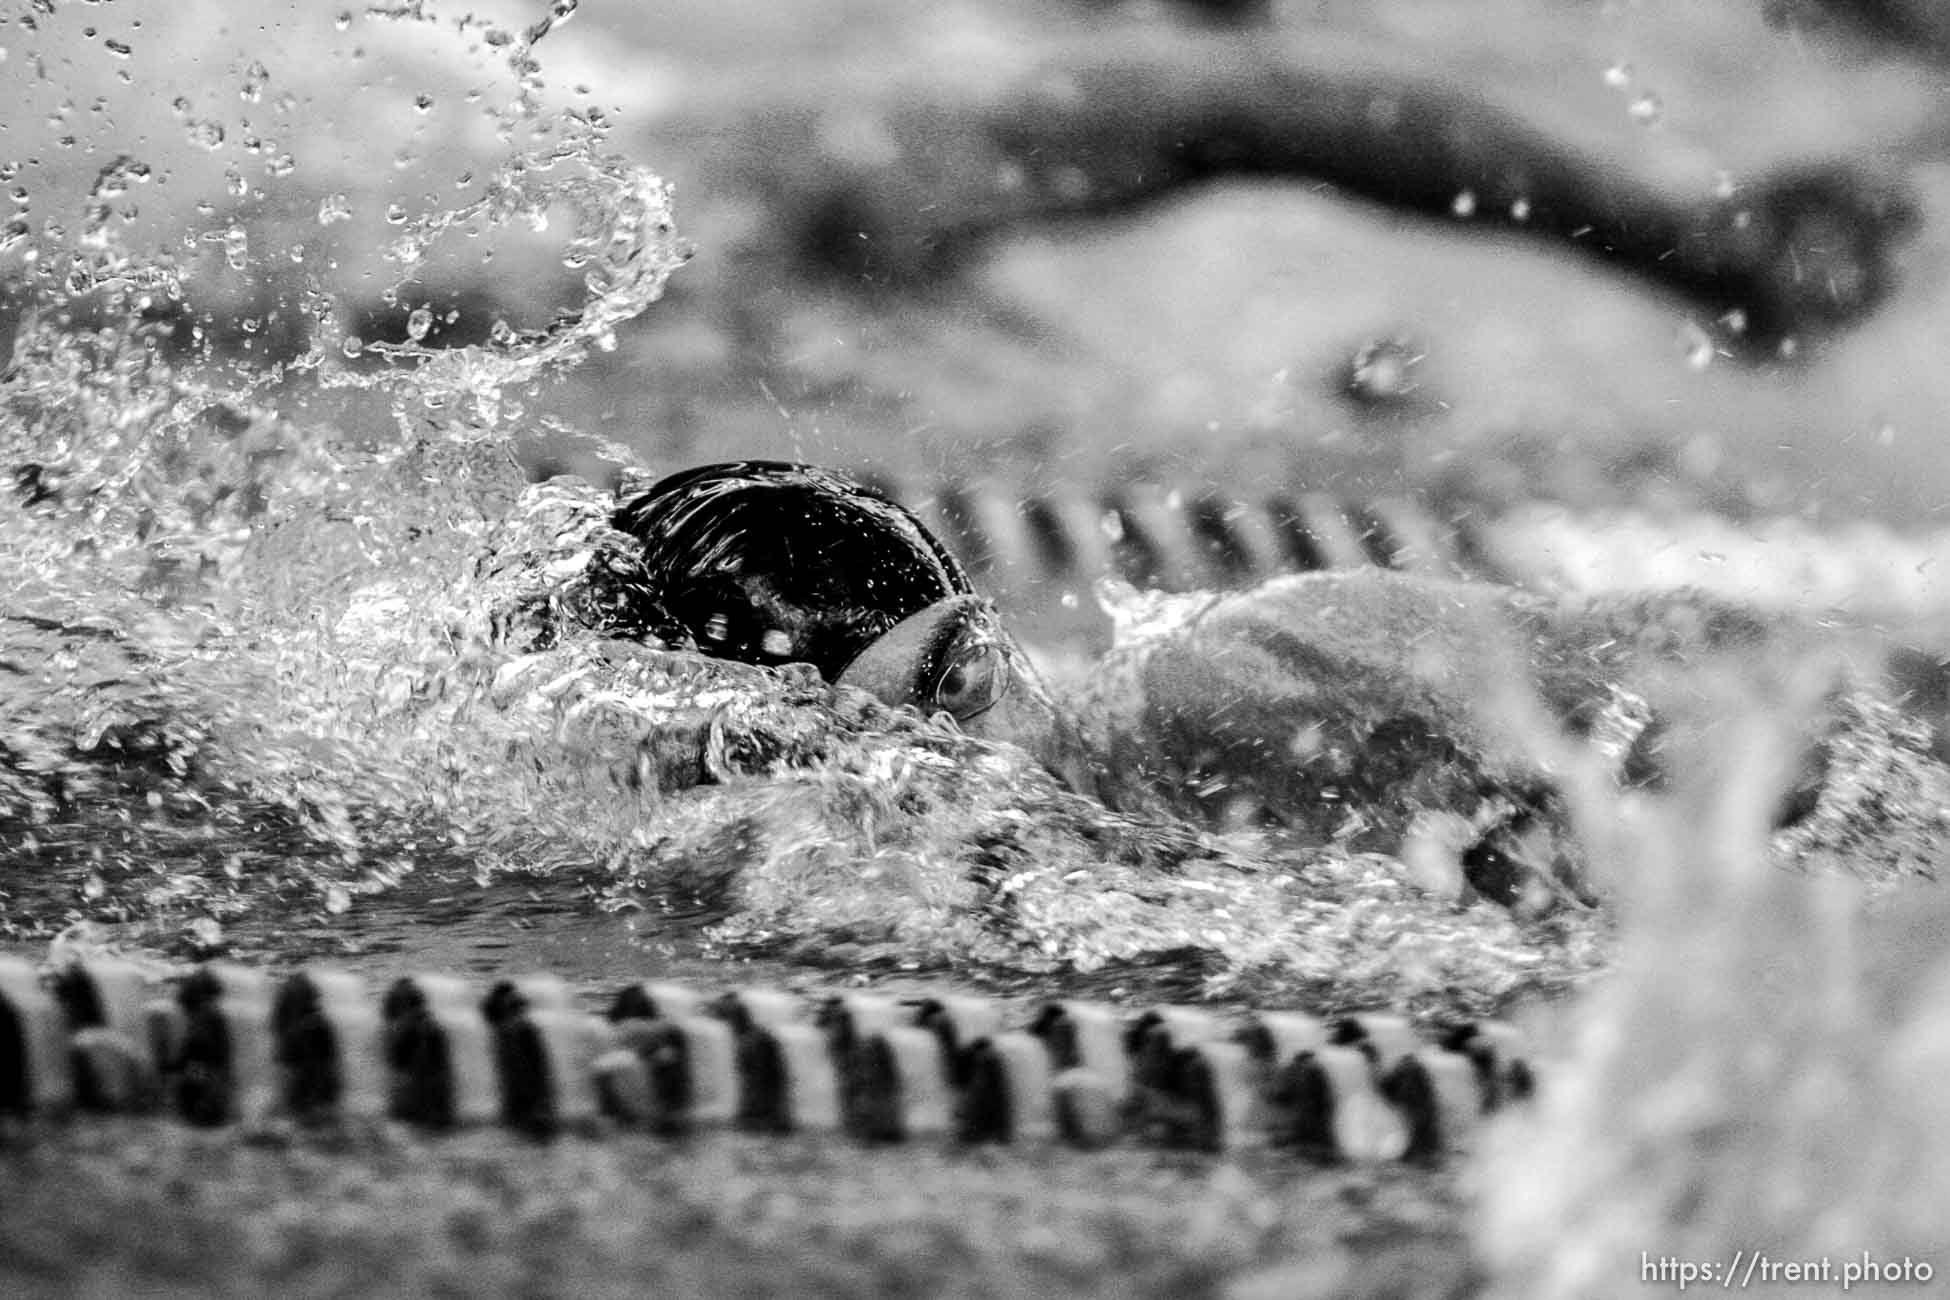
x=1596 y=251
x=1688 y=257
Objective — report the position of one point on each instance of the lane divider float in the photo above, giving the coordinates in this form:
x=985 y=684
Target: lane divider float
x=232 y=1046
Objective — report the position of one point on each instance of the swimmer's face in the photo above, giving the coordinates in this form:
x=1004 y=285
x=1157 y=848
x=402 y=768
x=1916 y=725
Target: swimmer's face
x=954 y=657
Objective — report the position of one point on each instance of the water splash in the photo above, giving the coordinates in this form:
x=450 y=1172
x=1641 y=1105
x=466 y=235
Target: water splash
x=253 y=665
x=623 y=241
x=195 y=675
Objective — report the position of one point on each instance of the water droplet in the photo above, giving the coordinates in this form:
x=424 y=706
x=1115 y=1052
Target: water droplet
x=207 y=931
x=559 y=12
x=1646 y=109
x=1520 y=210
x=352 y=346
x=1069 y=600
x=344 y=20
x=1464 y=204
x=252 y=87
x=181 y=105
x=1112 y=525
x=206 y=135
x=338 y=900
x=237 y=248
x=93 y=887
x=333 y=208
x=234 y=183
x=423 y=102
x=419 y=323
x=81 y=276
x=11 y=235
x=1618 y=75
x=395 y=214
x=1698 y=344
x=1383 y=371
x=118 y=48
